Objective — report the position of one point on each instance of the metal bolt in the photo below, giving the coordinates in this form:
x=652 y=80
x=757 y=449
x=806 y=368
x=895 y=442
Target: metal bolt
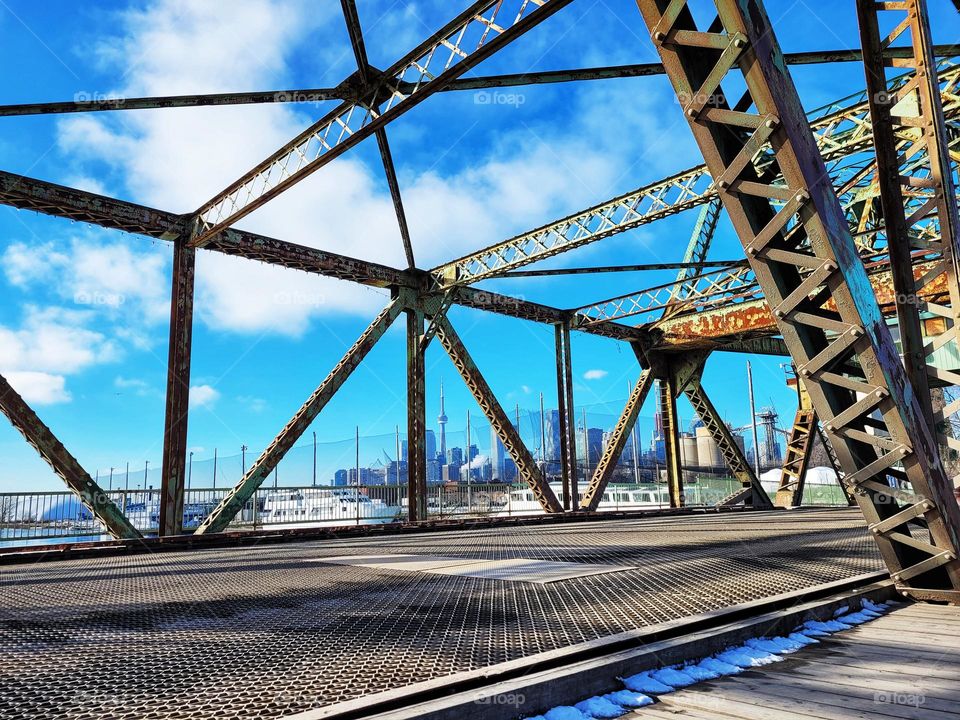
x=692 y=113
x=772 y=123
x=659 y=36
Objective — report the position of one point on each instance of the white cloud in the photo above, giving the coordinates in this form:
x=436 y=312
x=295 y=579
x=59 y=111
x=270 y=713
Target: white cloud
x=252 y=403
x=54 y=340
x=203 y=396
x=595 y=374
x=134 y=385
x=39 y=388
x=178 y=158
x=109 y=279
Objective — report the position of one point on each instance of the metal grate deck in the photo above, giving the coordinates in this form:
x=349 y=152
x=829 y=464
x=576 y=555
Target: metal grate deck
x=267 y=632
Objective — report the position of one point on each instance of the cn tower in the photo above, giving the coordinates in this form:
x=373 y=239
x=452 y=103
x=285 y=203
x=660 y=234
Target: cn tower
x=442 y=420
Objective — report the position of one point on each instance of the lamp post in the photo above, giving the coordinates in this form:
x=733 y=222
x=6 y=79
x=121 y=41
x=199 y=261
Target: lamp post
x=314 y=458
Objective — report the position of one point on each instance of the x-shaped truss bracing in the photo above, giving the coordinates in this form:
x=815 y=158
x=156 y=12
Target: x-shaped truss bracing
x=846 y=356
x=467 y=40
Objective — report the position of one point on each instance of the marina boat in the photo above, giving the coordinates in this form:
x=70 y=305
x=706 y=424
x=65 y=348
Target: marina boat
x=324 y=505
x=522 y=501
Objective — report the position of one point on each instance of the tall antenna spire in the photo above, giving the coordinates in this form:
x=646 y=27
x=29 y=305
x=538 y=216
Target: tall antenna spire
x=442 y=420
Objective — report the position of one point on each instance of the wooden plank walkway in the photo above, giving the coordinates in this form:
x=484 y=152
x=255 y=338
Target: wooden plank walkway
x=904 y=665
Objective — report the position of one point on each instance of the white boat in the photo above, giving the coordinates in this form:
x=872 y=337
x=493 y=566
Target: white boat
x=324 y=506
x=615 y=497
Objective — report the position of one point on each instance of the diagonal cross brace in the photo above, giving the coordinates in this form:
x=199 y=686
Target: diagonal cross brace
x=507 y=433
x=233 y=502
x=28 y=424
x=728 y=447
x=618 y=440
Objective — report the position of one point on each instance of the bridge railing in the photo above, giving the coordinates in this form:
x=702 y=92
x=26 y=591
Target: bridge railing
x=58 y=516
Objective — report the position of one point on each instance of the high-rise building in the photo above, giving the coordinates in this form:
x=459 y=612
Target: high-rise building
x=431 y=445
x=594 y=445
x=455 y=456
x=552 y=448
x=498 y=454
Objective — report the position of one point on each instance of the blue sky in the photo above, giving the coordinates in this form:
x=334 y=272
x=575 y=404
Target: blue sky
x=84 y=327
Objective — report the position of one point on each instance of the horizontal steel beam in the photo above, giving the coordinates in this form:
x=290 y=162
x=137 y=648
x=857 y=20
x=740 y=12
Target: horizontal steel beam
x=59 y=201
x=48 y=198
x=95 y=103
x=646 y=267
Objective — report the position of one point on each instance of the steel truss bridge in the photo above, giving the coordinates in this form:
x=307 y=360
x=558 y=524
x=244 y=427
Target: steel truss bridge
x=847 y=217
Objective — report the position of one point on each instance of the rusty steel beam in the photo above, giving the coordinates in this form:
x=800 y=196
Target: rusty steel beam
x=752 y=491
x=416 y=417
x=618 y=440
x=50 y=199
x=915 y=171
x=59 y=201
x=796 y=460
x=568 y=444
x=174 y=466
x=355 y=32
x=52 y=451
x=345 y=91
x=471 y=37
x=85 y=103
x=508 y=434
x=670 y=421
x=700 y=266
x=846 y=356
x=222 y=515
x=757 y=346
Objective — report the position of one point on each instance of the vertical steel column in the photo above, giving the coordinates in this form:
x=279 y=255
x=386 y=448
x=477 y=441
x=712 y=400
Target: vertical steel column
x=671 y=439
x=562 y=416
x=796 y=460
x=416 y=419
x=799 y=245
x=568 y=445
x=916 y=187
x=178 y=389
x=26 y=422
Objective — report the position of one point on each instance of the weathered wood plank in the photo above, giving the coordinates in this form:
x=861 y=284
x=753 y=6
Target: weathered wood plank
x=873 y=662
x=868 y=700
x=720 y=696
x=890 y=675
